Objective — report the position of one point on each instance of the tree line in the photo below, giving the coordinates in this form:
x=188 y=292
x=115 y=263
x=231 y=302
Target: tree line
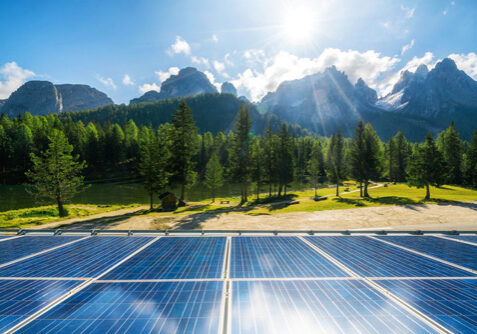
x=175 y=154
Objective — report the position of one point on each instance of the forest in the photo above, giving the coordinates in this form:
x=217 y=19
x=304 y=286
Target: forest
x=177 y=154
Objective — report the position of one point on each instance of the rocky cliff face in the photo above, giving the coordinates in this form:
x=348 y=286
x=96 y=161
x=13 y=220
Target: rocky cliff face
x=228 y=88
x=2 y=102
x=188 y=82
x=42 y=97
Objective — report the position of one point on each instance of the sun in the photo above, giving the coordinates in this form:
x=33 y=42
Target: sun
x=299 y=25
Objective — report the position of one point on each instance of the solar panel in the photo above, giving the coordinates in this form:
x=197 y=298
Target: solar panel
x=317 y=306
x=19 y=247
x=278 y=257
x=85 y=258
x=372 y=258
x=21 y=298
x=448 y=250
x=469 y=238
x=175 y=258
x=143 y=307
x=451 y=303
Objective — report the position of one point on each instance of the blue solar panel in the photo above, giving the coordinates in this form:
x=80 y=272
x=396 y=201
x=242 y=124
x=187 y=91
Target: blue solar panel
x=469 y=238
x=448 y=250
x=165 y=307
x=451 y=303
x=278 y=257
x=21 y=298
x=19 y=247
x=177 y=258
x=373 y=258
x=317 y=306
x=86 y=258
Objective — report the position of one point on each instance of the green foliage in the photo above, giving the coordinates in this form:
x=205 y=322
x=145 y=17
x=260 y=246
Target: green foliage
x=214 y=174
x=335 y=160
x=56 y=174
x=285 y=159
x=450 y=145
x=314 y=167
x=427 y=166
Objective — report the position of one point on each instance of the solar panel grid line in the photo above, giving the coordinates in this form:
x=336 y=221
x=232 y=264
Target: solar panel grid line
x=383 y=291
x=45 y=278
x=159 y=280
x=5 y=238
x=457 y=240
x=425 y=255
x=75 y=290
x=225 y=292
x=41 y=252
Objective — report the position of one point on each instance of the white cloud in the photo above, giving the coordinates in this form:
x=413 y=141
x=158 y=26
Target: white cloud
x=107 y=82
x=127 y=80
x=215 y=39
x=163 y=76
x=285 y=66
x=200 y=61
x=148 y=87
x=466 y=62
x=12 y=77
x=445 y=11
x=407 y=47
x=408 y=12
x=180 y=46
x=219 y=67
x=211 y=78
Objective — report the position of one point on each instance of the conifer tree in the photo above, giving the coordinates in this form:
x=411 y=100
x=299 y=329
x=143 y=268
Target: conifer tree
x=426 y=167
x=241 y=152
x=450 y=145
x=472 y=161
x=314 y=166
x=214 y=174
x=372 y=157
x=56 y=174
x=390 y=158
x=270 y=158
x=335 y=160
x=357 y=156
x=183 y=147
x=256 y=164
x=402 y=152
x=285 y=160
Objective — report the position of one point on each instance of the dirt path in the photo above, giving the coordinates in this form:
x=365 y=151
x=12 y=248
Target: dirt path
x=461 y=216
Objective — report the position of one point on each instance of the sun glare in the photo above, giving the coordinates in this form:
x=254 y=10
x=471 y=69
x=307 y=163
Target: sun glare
x=299 y=25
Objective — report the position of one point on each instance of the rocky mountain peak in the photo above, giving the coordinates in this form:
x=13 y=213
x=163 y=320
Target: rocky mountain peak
x=229 y=88
x=422 y=71
x=446 y=65
x=365 y=92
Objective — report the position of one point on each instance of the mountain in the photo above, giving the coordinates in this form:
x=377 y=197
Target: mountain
x=229 y=88
x=43 y=97
x=430 y=100
x=322 y=102
x=212 y=112
x=188 y=82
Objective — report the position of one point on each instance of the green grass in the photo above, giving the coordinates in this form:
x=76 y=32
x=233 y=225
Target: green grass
x=24 y=218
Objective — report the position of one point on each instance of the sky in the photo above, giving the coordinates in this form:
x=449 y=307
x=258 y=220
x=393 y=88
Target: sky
x=127 y=47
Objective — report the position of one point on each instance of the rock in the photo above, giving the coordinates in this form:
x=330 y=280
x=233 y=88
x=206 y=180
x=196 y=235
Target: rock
x=188 y=82
x=229 y=88
x=43 y=97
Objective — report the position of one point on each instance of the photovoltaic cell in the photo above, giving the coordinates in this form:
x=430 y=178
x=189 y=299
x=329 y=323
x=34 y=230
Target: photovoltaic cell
x=451 y=303
x=20 y=247
x=159 y=307
x=448 y=250
x=86 y=258
x=317 y=306
x=270 y=257
x=21 y=298
x=469 y=238
x=175 y=258
x=373 y=258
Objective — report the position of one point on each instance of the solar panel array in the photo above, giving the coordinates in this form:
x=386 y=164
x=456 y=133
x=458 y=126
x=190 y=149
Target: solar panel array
x=238 y=284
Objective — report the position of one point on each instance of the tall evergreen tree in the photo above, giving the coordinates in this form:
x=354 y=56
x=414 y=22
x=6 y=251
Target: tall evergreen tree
x=471 y=164
x=214 y=174
x=183 y=147
x=357 y=156
x=256 y=164
x=335 y=160
x=241 y=151
x=285 y=160
x=152 y=165
x=56 y=174
x=426 y=167
x=270 y=158
x=450 y=145
x=314 y=165
x=372 y=157
x=390 y=159
x=402 y=152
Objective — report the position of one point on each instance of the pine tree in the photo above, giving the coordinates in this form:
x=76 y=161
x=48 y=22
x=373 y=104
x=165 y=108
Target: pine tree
x=471 y=164
x=314 y=166
x=335 y=160
x=152 y=165
x=372 y=157
x=285 y=160
x=450 y=145
x=214 y=174
x=390 y=159
x=270 y=159
x=426 y=167
x=402 y=153
x=357 y=156
x=256 y=164
x=56 y=174
x=241 y=151
x=183 y=147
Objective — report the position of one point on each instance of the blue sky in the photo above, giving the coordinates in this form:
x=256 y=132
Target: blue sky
x=254 y=44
